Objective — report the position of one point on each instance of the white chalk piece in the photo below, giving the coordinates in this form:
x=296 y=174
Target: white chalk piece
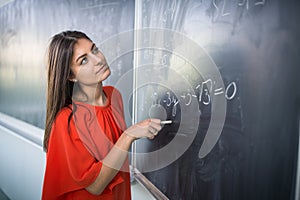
x=166 y=122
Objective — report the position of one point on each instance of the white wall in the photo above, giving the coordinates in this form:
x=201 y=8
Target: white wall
x=22 y=162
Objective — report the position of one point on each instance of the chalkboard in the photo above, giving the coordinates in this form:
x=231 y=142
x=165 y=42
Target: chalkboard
x=26 y=28
x=227 y=74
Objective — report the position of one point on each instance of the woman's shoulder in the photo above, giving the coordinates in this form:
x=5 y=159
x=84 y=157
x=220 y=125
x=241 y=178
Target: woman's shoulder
x=111 y=91
x=110 y=88
x=64 y=113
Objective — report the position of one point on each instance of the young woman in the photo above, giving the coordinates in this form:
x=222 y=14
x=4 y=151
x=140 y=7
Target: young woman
x=86 y=139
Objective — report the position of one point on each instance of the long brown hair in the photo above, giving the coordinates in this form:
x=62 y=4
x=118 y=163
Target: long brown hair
x=60 y=88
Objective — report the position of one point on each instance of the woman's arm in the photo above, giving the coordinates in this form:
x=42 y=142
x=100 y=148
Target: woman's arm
x=118 y=154
x=111 y=164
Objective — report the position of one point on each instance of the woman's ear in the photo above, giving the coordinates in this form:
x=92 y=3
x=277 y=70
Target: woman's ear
x=72 y=78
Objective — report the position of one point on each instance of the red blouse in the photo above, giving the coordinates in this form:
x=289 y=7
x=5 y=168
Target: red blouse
x=76 y=150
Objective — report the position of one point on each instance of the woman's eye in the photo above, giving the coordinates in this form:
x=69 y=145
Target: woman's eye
x=83 y=61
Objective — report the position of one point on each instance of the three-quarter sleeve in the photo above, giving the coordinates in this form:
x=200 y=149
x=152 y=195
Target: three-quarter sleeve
x=76 y=149
x=70 y=166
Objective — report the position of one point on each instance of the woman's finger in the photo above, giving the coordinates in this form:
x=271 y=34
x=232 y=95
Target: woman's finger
x=152 y=130
x=156 y=126
x=155 y=120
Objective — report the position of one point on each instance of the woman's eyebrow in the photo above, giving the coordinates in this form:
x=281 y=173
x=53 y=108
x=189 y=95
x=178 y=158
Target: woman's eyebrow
x=83 y=55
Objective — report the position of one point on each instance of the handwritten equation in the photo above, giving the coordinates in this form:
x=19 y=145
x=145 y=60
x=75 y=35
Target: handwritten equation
x=224 y=8
x=205 y=90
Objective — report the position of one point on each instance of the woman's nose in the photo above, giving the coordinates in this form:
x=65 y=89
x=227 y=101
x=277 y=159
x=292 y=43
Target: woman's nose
x=97 y=59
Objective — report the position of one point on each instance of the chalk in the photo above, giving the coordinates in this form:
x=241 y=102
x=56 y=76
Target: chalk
x=166 y=122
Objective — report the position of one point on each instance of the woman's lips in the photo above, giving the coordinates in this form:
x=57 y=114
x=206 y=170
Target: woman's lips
x=102 y=69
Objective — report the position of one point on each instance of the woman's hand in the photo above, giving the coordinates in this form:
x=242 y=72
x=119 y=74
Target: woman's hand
x=147 y=128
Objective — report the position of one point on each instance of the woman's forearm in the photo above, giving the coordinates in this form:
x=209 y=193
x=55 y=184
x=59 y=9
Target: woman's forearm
x=112 y=163
x=118 y=154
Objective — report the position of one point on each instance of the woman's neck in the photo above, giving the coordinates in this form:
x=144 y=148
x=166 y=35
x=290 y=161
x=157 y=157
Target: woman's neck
x=93 y=95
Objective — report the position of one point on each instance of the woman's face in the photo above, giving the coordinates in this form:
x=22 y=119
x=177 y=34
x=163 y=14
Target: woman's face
x=89 y=65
